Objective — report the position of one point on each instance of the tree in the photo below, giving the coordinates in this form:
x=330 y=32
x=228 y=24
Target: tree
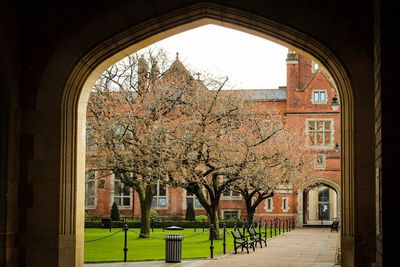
x=170 y=128
x=190 y=213
x=126 y=112
x=289 y=167
x=115 y=212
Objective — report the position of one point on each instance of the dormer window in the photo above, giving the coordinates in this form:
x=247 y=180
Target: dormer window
x=319 y=97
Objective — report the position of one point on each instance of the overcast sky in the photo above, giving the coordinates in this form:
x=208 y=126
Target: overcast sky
x=249 y=61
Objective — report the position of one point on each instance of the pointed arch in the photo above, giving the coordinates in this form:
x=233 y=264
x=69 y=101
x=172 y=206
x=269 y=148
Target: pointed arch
x=76 y=65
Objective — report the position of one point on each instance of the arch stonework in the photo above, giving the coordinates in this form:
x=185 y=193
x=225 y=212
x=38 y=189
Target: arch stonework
x=76 y=64
x=327 y=182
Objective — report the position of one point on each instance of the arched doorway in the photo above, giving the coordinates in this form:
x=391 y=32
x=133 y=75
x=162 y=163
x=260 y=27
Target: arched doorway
x=77 y=78
x=318 y=203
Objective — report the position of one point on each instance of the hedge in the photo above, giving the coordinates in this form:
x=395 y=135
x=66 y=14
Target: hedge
x=160 y=224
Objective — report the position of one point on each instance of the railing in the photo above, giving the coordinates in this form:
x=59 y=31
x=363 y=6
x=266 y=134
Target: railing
x=266 y=228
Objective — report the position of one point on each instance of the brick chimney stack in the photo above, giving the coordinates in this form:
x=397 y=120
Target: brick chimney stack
x=143 y=70
x=292 y=66
x=299 y=74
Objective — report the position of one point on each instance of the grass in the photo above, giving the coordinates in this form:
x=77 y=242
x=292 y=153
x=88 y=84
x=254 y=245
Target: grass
x=194 y=245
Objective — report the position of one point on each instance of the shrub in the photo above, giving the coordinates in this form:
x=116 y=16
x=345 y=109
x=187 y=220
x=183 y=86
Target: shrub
x=153 y=214
x=190 y=213
x=199 y=218
x=115 y=212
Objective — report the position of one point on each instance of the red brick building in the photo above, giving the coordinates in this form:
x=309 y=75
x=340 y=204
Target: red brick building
x=308 y=103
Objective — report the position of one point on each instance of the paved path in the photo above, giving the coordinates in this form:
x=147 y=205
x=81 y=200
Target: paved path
x=303 y=247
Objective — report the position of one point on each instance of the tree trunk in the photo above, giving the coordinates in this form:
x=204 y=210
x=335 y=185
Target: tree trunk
x=250 y=215
x=251 y=210
x=146 y=198
x=213 y=220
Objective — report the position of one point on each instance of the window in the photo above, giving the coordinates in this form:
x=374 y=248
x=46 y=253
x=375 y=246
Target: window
x=285 y=204
x=230 y=214
x=122 y=135
x=319 y=97
x=90 y=140
x=229 y=193
x=191 y=198
x=320 y=133
x=269 y=205
x=160 y=196
x=122 y=193
x=323 y=194
x=90 y=189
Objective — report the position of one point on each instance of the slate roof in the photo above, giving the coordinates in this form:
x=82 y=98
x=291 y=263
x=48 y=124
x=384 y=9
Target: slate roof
x=265 y=94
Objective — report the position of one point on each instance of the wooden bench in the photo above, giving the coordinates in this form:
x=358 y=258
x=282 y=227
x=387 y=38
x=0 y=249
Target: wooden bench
x=335 y=225
x=240 y=241
x=257 y=237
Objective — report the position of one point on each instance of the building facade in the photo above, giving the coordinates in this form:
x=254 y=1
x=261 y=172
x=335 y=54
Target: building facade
x=306 y=103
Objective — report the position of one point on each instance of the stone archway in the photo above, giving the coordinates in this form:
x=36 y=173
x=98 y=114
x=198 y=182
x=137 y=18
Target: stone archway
x=74 y=76
x=300 y=199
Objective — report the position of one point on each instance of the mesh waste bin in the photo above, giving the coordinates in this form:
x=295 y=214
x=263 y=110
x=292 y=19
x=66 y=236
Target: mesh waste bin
x=173 y=248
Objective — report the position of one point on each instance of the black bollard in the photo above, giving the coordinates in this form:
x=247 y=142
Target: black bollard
x=163 y=224
x=283 y=225
x=270 y=228
x=287 y=225
x=275 y=223
x=279 y=226
x=265 y=229
x=152 y=225
x=211 y=241
x=194 y=225
x=125 y=242
x=224 y=242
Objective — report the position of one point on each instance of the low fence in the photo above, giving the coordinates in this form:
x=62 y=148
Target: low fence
x=266 y=228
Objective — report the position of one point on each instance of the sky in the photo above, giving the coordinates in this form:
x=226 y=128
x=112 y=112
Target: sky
x=249 y=61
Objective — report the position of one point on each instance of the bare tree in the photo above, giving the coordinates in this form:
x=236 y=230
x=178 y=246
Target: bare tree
x=128 y=113
x=280 y=163
x=164 y=126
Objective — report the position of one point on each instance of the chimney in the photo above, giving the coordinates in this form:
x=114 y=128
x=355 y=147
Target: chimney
x=143 y=70
x=299 y=71
x=292 y=71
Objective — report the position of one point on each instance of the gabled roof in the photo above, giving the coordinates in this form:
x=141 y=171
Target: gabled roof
x=326 y=75
x=177 y=68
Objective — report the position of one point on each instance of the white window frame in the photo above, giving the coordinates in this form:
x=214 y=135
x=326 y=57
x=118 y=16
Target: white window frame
x=122 y=206
x=91 y=179
x=231 y=196
x=285 y=209
x=324 y=132
x=319 y=101
x=229 y=210
x=157 y=197
x=271 y=200
x=195 y=199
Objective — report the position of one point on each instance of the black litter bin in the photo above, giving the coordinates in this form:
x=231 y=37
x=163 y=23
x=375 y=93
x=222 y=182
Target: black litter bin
x=173 y=246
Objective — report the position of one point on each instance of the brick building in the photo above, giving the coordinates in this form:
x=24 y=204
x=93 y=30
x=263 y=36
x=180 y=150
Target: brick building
x=309 y=109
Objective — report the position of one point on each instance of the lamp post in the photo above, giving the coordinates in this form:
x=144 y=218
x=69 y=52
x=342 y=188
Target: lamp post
x=335 y=103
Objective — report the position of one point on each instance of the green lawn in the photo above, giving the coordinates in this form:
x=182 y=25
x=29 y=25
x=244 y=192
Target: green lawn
x=111 y=249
